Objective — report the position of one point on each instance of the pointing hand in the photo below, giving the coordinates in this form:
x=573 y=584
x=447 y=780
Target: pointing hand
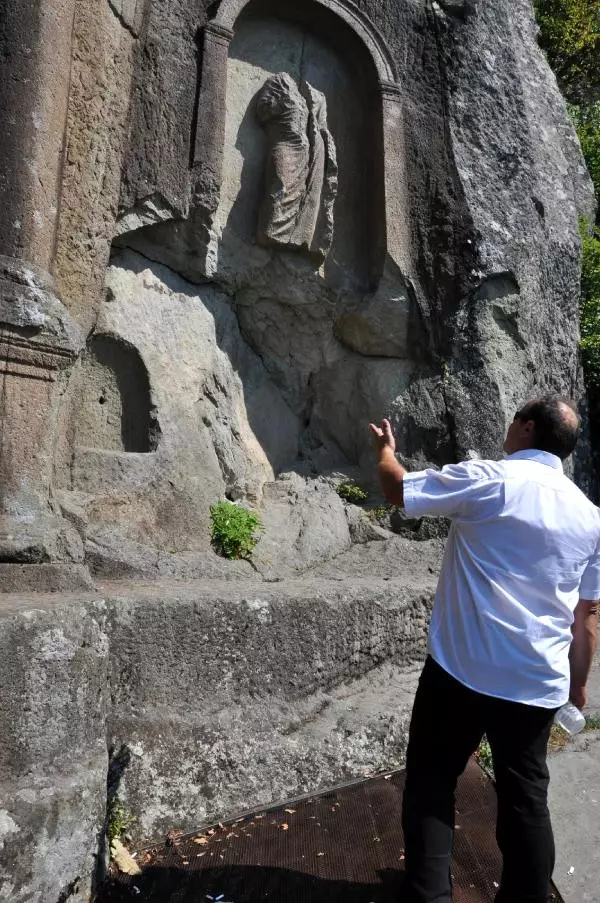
x=383 y=436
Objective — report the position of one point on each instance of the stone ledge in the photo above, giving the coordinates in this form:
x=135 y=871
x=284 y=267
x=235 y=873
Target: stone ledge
x=216 y=698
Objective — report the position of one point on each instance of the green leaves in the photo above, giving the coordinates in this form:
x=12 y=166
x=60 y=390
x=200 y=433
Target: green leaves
x=587 y=122
x=570 y=37
x=234 y=530
x=351 y=492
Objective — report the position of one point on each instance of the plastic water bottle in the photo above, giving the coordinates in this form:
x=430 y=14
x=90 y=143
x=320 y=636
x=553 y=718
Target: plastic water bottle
x=570 y=719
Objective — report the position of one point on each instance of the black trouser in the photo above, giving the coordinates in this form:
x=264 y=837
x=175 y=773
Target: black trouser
x=448 y=722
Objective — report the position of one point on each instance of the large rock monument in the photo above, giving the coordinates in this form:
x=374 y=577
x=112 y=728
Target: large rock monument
x=231 y=234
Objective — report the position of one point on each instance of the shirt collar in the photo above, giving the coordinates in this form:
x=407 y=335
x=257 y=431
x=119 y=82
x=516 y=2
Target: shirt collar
x=535 y=454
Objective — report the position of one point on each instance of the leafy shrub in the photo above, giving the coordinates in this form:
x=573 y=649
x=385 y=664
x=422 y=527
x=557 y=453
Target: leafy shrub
x=379 y=511
x=570 y=37
x=484 y=756
x=351 y=492
x=586 y=119
x=119 y=821
x=590 y=327
x=234 y=530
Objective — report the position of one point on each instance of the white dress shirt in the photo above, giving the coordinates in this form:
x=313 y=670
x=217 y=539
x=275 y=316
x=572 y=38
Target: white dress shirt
x=523 y=548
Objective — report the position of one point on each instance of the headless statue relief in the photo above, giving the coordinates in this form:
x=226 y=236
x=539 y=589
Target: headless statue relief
x=301 y=172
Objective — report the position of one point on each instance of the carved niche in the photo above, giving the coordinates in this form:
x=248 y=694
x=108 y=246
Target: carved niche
x=301 y=176
x=112 y=404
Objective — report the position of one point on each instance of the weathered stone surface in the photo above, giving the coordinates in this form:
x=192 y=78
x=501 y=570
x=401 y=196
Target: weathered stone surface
x=224 y=429
x=448 y=295
x=53 y=756
x=130 y=12
x=261 y=692
x=214 y=697
x=305 y=523
x=101 y=74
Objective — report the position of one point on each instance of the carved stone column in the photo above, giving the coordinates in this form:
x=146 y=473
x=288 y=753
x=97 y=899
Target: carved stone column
x=37 y=337
x=210 y=137
x=397 y=201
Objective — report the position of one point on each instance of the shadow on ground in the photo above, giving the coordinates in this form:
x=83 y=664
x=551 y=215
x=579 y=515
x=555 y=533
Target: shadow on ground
x=344 y=846
x=249 y=884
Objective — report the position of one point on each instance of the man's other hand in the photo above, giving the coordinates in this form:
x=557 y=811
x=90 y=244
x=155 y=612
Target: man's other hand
x=578 y=697
x=383 y=436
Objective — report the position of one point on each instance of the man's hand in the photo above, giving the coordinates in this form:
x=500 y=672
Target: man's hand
x=391 y=472
x=578 y=696
x=383 y=436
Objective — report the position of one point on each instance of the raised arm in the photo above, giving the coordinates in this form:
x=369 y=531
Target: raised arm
x=583 y=648
x=391 y=472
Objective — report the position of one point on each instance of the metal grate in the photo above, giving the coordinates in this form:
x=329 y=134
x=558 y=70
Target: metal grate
x=342 y=847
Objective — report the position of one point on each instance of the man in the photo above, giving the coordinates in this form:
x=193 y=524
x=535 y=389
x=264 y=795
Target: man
x=512 y=638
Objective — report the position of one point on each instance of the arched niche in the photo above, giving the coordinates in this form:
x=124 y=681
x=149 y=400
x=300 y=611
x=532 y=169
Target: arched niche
x=348 y=12
x=364 y=112
x=112 y=408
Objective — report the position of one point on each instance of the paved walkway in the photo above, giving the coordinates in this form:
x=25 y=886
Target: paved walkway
x=575 y=808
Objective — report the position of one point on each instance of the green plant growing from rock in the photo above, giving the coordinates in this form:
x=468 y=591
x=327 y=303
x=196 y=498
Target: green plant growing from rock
x=234 y=530
x=379 y=512
x=484 y=756
x=352 y=492
x=119 y=820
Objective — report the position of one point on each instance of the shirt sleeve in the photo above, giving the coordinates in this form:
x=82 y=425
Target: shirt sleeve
x=467 y=491
x=589 y=588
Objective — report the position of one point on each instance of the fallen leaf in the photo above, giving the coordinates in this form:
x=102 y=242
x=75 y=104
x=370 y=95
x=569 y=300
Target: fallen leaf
x=123 y=859
x=320 y=854
x=201 y=840
x=285 y=827
x=291 y=811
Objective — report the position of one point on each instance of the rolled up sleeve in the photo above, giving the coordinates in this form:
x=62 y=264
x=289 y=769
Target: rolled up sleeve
x=589 y=588
x=468 y=490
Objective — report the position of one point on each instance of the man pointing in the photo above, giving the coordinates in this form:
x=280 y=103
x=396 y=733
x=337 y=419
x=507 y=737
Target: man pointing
x=512 y=638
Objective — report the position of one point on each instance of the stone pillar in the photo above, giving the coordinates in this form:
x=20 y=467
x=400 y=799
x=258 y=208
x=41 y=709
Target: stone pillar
x=397 y=201
x=37 y=338
x=210 y=139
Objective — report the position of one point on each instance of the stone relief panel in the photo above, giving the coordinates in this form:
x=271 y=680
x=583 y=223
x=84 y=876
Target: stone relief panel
x=301 y=170
x=296 y=151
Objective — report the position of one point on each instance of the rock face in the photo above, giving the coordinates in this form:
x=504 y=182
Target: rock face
x=207 y=293
x=324 y=214
x=191 y=702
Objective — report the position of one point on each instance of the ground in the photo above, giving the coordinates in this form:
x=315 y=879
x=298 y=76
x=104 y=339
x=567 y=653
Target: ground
x=575 y=808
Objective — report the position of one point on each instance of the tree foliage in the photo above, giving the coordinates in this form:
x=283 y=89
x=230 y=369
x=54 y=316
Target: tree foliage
x=590 y=310
x=570 y=37
x=587 y=122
